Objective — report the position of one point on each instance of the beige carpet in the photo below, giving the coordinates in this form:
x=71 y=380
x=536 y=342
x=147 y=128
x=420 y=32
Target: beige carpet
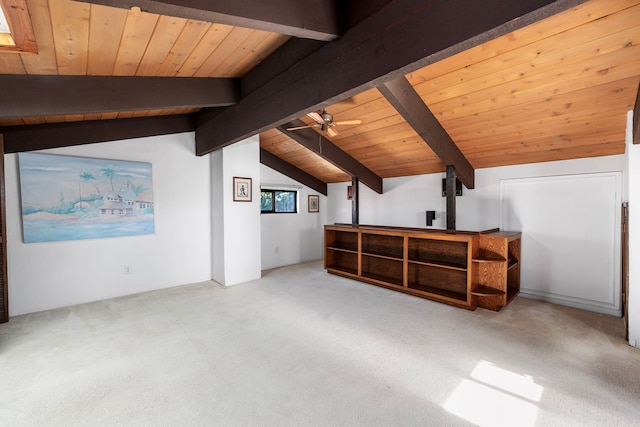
x=301 y=347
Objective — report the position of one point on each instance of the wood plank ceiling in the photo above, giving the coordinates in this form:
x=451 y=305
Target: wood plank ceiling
x=556 y=89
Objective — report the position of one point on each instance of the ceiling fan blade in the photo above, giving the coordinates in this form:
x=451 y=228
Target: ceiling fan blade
x=332 y=132
x=301 y=127
x=316 y=117
x=348 y=122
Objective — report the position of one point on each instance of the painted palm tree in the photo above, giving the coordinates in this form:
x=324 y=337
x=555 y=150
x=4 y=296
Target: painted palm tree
x=88 y=176
x=109 y=172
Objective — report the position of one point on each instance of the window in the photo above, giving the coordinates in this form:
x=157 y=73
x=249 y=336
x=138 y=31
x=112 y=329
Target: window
x=278 y=201
x=16 y=32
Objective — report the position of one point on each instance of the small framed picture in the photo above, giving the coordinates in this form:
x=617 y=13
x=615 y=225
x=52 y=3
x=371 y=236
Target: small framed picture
x=314 y=203
x=241 y=189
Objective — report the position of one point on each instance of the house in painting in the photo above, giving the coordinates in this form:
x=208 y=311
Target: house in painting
x=125 y=201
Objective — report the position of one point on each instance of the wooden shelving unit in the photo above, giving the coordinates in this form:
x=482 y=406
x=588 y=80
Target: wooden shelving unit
x=460 y=268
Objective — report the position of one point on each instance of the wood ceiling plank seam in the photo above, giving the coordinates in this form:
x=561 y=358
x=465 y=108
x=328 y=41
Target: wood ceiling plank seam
x=574 y=139
x=138 y=29
x=163 y=39
x=95 y=116
x=604 y=97
x=11 y=122
x=106 y=26
x=559 y=113
x=496 y=73
x=489 y=141
x=245 y=51
x=578 y=15
x=33 y=120
x=109 y=116
x=55 y=119
x=125 y=114
x=74 y=117
x=208 y=43
x=267 y=46
x=226 y=52
x=546 y=154
x=186 y=43
x=11 y=63
x=45 y=61
x=547 y=85
x=70 y=25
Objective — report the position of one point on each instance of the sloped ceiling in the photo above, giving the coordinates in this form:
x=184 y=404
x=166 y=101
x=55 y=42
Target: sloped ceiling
x=553 y=83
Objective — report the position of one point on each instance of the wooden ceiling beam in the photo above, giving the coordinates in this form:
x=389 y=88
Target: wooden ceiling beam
x=293 y=172
x=403 y=36
x=412 y=108
x=49 y=95
x=311 y=19
x=38 y=137
x=332 y=153
x=287 y=55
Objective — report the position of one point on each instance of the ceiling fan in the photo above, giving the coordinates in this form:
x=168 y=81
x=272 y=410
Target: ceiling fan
x=324 y=122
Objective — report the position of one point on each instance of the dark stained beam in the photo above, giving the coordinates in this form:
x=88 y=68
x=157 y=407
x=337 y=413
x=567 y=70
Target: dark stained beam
x=412 y=108
x=38 y=137
x=332 y=153
x=635 y=129
x=451 y=197
x=311 y=19
x=286 y=56
x=39 y=95
x=403 y=36
x=293 y=172
x=355 y=200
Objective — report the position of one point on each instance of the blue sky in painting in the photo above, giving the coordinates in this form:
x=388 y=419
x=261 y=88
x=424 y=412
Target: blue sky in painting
x=43 y=177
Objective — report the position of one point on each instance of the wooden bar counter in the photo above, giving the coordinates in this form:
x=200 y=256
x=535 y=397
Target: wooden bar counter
x=462 y=268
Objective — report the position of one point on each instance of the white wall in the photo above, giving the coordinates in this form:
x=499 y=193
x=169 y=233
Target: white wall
x=56 y=274
x=405 y=199
x=239 y=254
x=291 y=238
x=633 y=189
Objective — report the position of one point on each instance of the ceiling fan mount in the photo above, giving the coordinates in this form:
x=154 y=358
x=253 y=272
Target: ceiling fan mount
x=324 y=122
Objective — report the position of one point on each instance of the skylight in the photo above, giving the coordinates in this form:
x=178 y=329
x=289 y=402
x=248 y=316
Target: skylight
x=22 y=38
x=4 y=25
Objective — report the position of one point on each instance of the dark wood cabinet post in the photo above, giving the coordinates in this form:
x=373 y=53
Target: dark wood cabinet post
x=355 y=200
x=451 y=197
x=4 y=291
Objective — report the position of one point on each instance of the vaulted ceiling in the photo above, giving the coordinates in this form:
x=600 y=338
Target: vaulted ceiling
x=472 y=83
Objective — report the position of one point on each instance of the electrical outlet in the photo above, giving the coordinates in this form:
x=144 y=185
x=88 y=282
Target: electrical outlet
x=127 y=269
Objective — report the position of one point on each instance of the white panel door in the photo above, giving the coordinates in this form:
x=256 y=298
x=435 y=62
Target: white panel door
x=570 y=237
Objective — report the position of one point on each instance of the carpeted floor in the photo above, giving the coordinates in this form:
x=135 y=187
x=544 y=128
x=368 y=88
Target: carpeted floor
x=301 y=347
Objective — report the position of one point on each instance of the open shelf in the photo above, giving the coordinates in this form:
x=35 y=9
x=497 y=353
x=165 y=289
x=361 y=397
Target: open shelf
x=333 y=248
x=463 y=269
x=487 y=259
x=433 y=264
x=433 y=277
x=382 y=245
x=435 y=251
x=351 y=271
x=438 y=292
x=485 y=291
x=383 y=269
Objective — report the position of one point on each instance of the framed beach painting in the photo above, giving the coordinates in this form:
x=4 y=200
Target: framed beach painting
x=73 y=198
